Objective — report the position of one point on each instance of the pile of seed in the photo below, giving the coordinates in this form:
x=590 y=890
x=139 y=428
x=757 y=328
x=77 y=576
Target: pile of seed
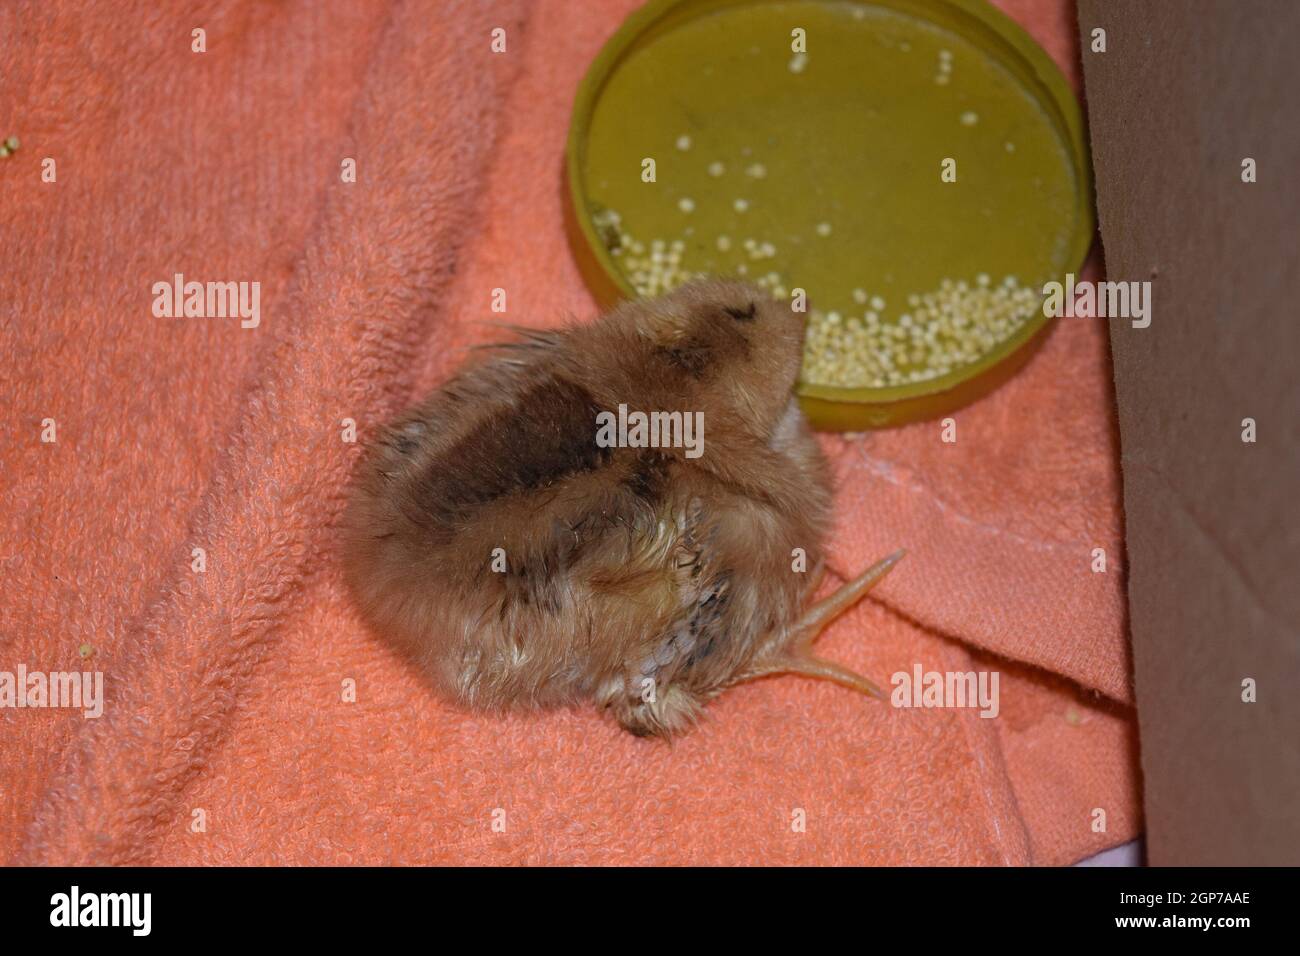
x=942 y=330
x=939 y=332
x=657 y=268
x=651 y=271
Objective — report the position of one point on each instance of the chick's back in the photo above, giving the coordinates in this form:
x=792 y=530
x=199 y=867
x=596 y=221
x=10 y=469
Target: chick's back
x=518 y=562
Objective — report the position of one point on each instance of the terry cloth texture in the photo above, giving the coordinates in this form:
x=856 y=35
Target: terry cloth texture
x=225 y=689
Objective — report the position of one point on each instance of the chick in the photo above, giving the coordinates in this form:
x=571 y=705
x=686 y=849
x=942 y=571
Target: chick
x=496 y=537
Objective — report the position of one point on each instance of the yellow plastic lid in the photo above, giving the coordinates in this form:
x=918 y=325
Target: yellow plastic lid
x=919 y=160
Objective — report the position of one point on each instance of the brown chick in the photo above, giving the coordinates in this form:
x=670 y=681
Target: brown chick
x=495 y=538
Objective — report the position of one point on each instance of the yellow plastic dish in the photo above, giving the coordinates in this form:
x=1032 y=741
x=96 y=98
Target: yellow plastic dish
x=829 y=156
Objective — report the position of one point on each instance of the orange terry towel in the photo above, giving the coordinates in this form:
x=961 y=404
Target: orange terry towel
x=177 y=535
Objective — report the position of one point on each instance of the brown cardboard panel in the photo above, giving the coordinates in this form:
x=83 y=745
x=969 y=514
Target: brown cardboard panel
x=1184 y=92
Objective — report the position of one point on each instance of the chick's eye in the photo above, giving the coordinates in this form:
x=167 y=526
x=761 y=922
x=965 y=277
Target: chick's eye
x=742 y=315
